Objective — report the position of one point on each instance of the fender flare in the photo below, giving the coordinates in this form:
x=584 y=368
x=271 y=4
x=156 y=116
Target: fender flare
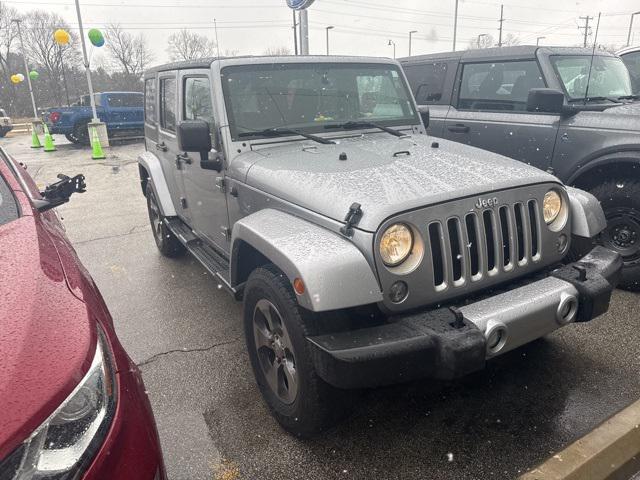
x=151 y=164
x=335 y=273
x=623 y=154
x=587 y=216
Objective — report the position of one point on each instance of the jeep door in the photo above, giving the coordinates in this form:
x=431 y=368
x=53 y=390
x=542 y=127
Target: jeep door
x=489 y=111
x=167 y=146
x=206 y=198
x=431 y=82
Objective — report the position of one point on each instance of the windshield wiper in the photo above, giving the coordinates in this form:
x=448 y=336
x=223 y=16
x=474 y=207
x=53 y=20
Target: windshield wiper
x=353 y=125
x=281 y=131
x=597 y=99
x=629 y=97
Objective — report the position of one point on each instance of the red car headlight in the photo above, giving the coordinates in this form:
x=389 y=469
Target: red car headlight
x=66 y=442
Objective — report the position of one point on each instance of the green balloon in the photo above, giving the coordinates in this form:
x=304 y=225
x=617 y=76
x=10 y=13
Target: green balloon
x=95 y=37
x=33 y=75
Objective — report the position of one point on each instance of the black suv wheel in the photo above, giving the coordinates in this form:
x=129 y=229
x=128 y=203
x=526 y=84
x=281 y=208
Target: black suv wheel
x=166 y=241
x=275 y=332
x=620 y=200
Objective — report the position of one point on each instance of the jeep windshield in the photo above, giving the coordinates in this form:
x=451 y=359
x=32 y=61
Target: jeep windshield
x=609 y=77
x=308 y=97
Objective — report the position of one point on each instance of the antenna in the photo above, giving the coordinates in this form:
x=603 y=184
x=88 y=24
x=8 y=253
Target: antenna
x=593 y=54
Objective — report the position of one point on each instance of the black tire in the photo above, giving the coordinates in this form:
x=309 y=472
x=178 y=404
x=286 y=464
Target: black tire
x=81 y=132
x=3 y=133
x=166 y=241
x=316 y=404
x=620 y=200
x=71 y=137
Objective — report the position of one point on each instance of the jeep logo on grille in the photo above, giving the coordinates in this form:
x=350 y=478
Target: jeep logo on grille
x=487 y=202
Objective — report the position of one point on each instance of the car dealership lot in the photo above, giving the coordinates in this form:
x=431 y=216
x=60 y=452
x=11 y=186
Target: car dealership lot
x=187 y=337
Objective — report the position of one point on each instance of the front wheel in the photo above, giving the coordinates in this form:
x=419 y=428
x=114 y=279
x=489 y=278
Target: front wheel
x=166 y=241
x=620 y=200
x=275 y=332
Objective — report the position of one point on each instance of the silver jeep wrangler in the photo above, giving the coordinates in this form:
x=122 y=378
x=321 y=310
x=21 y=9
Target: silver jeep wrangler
x=365 y=252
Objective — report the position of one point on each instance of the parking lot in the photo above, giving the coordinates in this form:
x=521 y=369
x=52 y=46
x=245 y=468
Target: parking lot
x=186 y=335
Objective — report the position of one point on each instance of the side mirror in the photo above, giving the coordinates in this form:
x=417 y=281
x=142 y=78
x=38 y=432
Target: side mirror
x=545 y=100
x=423 y=110
x=59 y=192
x=194 y=136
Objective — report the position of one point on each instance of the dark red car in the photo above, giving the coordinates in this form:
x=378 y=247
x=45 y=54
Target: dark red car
x=72 y=403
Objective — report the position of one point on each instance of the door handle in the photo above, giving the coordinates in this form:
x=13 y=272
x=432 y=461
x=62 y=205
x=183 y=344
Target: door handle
x=458 y=128
x=162 y=147
x=183 y=157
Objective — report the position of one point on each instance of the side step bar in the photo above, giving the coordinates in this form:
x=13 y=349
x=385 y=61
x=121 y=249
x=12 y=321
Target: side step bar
x=215 y=262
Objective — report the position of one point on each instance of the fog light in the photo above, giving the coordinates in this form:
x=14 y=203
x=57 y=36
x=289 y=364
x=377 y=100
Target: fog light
x=561 y=243
x=398 y=292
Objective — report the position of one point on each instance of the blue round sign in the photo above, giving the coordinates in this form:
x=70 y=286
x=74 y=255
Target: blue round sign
x=299 y=4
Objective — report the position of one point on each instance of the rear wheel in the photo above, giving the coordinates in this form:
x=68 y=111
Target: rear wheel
x=166 y=241
x=71 y=137
x=275 y=332
x=81 y=132
x=620 y=200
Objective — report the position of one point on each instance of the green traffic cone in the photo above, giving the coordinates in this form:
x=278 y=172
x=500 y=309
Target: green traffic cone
x=48 y=140
x=35 y=141
x=96 y=148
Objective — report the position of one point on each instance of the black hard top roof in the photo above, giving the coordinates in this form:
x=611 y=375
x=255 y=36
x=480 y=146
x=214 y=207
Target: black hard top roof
x=504 y=53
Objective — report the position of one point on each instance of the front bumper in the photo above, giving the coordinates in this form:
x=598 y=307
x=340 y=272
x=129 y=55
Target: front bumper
x=449 y=342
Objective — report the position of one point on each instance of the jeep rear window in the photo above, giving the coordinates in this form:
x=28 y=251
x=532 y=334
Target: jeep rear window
x=308 y=96
x=8 y=205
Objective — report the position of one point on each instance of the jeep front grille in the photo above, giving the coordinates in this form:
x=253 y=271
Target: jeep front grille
x=482 y=244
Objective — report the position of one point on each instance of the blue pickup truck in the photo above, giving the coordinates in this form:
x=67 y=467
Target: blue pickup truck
x=122 y=112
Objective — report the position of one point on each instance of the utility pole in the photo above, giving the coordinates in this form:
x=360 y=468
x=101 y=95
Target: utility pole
x=330 y=27
x=304 y=32
x=295 y=32
x=630 y=27
x=586 y=28
x=455 y=26
x=26 y=67
x=501 y=21
x=538 y=40
x=410 y=34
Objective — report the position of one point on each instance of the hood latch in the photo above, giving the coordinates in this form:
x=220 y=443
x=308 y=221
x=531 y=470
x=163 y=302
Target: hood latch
x=352 y=218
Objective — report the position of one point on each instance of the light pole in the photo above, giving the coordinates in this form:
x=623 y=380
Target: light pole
x=455 y=26
x=411 y=33
x=538 y=40
x=391 y=42
x=479 y=37
x=330 y=27
x=630 y=27
x=26 y=68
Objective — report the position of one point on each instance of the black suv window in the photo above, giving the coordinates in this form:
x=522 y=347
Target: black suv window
x=168 y=104
x=427 y=81
x=632 y=61
x=8 y=206
x=197 y=99
x=150 y=100
x=498 y=86
x=124 y=100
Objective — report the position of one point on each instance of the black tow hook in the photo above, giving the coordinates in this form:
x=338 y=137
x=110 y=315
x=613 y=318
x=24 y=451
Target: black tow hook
x=459 y=320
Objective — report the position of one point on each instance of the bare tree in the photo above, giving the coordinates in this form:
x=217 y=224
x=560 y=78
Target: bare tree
x=185 y=45
x=482 y=41
x=129 y=54
x=274 y=51
x=8 y=34
x=510 y=40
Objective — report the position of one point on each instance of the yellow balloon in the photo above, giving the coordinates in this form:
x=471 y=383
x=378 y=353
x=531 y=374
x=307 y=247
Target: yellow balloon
x=15 y=79
x=61 y=36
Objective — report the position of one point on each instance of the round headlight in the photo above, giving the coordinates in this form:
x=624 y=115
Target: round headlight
x=551 y=206
x=396 y=244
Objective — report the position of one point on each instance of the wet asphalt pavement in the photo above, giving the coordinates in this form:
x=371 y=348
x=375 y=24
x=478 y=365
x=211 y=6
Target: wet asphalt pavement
x=185 y=333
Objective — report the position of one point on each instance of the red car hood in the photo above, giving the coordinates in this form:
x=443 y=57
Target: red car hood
x=46 y=336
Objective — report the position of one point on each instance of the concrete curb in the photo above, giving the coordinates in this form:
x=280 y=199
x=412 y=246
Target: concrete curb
x=611 y=451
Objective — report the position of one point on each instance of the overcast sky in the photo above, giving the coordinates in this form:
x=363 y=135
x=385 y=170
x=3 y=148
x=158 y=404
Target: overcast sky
x=362 y=27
